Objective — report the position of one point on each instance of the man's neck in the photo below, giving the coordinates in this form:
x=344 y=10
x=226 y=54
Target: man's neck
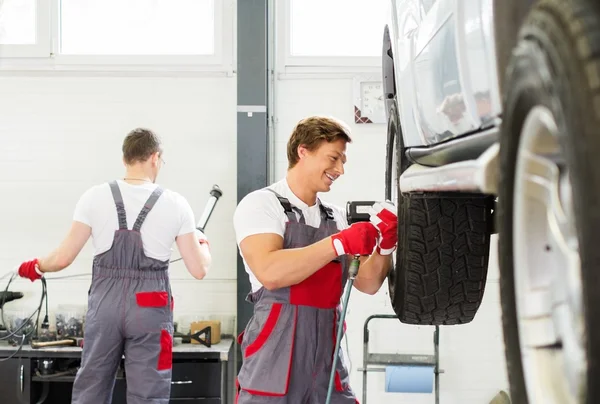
x=136 y=175
x=300 y=188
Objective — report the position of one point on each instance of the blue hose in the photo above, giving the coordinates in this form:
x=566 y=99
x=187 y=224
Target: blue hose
x=340 y=329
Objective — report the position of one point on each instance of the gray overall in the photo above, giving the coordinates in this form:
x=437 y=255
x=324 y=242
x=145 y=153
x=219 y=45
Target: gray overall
x=130 y=313
x=288 y=344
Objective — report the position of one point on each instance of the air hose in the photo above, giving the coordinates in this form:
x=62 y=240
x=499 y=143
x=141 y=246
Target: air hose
x=352 y=272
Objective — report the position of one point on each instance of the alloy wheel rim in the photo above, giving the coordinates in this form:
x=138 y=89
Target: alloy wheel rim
x=547 y=267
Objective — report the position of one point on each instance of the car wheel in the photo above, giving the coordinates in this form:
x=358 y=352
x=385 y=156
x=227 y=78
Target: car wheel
x=549 y=200
x=440 y=265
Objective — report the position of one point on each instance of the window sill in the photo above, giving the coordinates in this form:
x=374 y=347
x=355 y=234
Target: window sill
x=117 y=66
x=325 y=72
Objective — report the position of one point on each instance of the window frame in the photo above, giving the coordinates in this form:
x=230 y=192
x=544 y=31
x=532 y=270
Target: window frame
x=291 y=63
x=47 y=56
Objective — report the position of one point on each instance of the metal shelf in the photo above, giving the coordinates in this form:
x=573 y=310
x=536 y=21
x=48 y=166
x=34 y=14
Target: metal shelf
x=387 y=359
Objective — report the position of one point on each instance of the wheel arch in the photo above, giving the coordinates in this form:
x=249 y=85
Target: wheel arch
x=389 y=97
x=387 y=69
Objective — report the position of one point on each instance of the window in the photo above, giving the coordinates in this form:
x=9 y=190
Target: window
x=24 y=28
x=18 y=22
x=118 y=35
x=336 y=28
x=137 y=27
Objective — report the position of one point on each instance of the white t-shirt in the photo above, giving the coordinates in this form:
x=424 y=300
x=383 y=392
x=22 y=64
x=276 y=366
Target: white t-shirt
x=261 y=212
x=170 y=217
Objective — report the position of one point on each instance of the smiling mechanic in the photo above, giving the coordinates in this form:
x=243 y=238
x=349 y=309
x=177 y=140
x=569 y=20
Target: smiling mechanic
x=297 y=250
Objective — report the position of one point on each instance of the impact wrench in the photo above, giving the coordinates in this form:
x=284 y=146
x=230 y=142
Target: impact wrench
x=352 y=272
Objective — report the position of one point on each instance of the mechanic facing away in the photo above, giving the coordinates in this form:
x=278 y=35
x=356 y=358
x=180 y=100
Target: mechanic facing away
x=133 y=223
x=297 y=251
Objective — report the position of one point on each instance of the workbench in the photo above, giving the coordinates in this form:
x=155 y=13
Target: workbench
x=200 y=374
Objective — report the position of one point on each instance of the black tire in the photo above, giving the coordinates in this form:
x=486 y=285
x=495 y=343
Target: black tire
x=555 y=64
x=441 y=261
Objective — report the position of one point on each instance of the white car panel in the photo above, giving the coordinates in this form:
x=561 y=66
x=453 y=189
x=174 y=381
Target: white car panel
x=444 y=60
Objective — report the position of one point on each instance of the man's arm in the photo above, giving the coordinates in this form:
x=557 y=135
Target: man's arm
x=372 y=272
x=259 y=222
x=275 y=267
x=195 y=253
x=192 y=243
x=68 y=250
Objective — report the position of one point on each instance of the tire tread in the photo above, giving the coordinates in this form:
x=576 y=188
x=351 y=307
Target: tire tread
x=446 y=261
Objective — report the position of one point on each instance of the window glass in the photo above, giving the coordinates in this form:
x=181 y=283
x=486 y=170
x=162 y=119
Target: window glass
x=337 y=27
x=18 y=22
x=137 y=27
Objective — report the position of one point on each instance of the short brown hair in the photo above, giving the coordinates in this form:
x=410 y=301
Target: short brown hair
x=311 y=132
x=139 y=145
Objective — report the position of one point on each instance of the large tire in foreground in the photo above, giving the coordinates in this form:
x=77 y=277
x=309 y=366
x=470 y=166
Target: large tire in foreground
x=441 y=262
x=549 y=206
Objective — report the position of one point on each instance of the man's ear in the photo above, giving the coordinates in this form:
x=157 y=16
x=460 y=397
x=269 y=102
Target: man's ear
x=302 y=152
x=155 y=157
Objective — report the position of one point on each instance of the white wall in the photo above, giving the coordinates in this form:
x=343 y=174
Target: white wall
x=472 y=355
x=61 y=134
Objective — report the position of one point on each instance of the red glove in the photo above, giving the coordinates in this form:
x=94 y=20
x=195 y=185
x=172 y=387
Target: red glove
x=358 y=239
x=30 y=270
x=383 y=216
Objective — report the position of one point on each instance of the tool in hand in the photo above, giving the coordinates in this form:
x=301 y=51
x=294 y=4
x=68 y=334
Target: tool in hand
x=352 y=272
x=215 y=194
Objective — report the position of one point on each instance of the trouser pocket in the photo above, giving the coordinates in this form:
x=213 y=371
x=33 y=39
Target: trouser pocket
x=267 y=347
x=148 y=364
x=165 y=356
x=152 y=299
x=152 y=310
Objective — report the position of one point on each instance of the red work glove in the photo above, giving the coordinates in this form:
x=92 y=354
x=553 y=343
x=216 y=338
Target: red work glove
x=383 y=216
x=30 y=270
x=358 y=239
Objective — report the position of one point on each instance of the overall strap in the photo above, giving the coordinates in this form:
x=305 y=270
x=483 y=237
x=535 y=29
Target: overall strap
x=289 y=208
x=326 y=212
x=116 y=193
x=147 y=208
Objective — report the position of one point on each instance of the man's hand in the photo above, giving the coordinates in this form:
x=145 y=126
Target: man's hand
x=358 y=239
x=202 y=239
x=383 y=216
x=195 y=252
x=30 y=270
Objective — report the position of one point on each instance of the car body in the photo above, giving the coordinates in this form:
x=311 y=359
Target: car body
x=488 y=104
x=445 y=65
